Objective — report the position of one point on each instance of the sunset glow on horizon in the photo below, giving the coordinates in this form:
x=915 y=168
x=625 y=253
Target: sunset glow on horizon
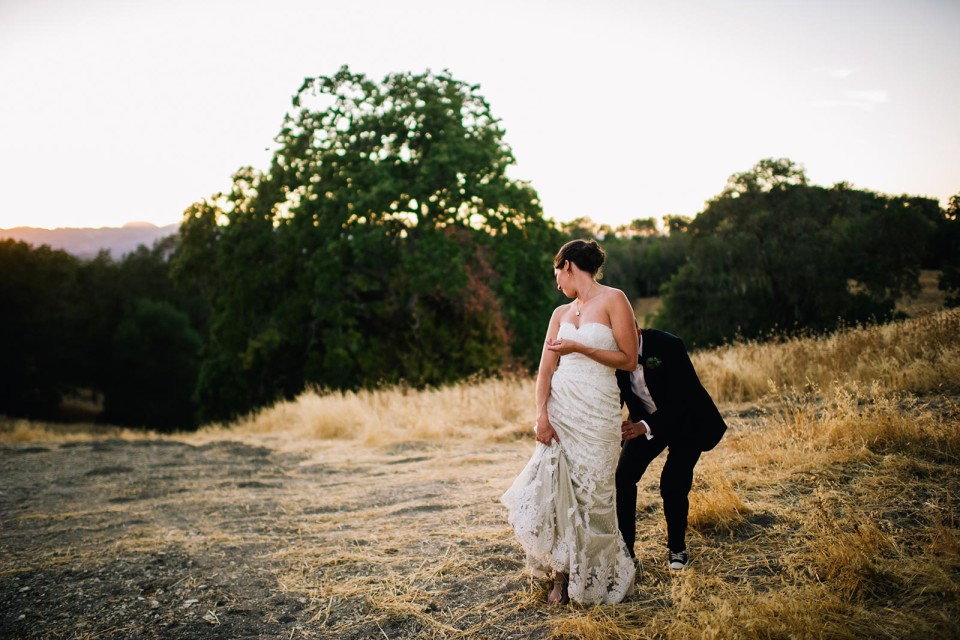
x=122 y=112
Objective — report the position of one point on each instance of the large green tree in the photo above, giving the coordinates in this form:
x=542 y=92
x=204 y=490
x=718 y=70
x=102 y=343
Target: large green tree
x=386 y=242
x=773 y=253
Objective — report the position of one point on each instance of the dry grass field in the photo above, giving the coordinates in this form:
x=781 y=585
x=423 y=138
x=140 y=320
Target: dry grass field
x=828 y=511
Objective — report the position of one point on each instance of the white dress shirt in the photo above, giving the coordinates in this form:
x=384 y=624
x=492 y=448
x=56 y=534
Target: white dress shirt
x=639 y=386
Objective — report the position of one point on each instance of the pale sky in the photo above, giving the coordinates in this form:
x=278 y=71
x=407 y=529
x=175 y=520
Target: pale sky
x=114 y=111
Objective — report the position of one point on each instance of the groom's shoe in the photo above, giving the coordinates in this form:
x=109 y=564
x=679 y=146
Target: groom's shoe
x=679 y=560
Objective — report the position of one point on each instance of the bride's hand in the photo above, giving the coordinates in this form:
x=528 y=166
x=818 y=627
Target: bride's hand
x=562 y=347
x=545 y=433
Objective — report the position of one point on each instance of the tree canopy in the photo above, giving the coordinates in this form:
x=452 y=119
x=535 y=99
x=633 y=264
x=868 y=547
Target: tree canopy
x=385 y=243
x=772 y=253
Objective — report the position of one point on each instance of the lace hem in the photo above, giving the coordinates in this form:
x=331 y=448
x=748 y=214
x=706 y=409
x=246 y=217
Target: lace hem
x=558 y=533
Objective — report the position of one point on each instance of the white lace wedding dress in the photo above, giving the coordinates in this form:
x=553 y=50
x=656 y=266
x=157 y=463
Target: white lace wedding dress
x=562 y=506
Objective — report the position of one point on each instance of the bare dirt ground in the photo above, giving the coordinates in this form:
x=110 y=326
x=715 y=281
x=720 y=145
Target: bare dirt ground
x=163 y=538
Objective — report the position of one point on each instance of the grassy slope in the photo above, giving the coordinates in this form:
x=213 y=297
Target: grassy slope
x=828 y=511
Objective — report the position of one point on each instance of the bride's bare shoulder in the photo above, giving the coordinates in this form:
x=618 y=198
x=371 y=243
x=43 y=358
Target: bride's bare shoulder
x=560 y=311
x=612 y=293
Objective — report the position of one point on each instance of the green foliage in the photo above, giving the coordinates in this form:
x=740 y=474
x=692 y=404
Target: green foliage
x=640 y=257
x=58 y=332
x=154 y=368
x=385 y=243
x=949 y=239
x=37 y=321
x=772 y=253
x=107 y=292
x=641 y=265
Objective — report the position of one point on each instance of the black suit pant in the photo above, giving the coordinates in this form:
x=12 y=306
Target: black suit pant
x=675 y=482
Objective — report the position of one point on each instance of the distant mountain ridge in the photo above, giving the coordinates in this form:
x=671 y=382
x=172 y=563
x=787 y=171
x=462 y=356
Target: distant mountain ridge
x=88 y=242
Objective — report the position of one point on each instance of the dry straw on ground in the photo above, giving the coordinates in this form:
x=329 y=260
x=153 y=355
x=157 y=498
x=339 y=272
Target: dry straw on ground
x=828 y=511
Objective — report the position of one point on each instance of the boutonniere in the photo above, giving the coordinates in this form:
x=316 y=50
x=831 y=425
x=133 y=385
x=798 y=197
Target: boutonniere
x=652 y=363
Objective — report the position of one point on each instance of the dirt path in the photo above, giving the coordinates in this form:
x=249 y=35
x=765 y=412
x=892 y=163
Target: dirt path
x=161 y=538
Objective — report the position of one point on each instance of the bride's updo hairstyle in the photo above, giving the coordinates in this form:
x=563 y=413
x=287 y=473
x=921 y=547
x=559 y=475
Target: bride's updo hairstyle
x=586 y=254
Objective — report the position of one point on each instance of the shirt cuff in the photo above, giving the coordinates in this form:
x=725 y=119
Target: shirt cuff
x=649 y=434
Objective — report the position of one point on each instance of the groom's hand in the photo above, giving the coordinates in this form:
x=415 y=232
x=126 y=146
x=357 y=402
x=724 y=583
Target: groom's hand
x=630 y=430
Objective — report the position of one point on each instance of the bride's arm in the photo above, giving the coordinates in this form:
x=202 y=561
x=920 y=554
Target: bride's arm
x=624 y=332
x=548 y=364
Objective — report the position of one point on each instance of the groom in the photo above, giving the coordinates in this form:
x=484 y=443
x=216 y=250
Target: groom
x=669 y=409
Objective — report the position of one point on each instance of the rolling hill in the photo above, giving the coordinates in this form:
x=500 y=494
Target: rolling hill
x=88 y=242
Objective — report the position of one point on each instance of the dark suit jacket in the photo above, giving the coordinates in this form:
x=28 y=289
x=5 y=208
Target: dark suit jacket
x=685 y=412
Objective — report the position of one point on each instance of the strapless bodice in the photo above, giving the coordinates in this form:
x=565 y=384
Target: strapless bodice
x=591 y=334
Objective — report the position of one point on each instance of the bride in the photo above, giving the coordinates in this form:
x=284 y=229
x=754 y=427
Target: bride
x=562 y=506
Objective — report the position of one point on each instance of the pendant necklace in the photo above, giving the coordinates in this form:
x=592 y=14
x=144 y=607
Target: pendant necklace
x=580 y=305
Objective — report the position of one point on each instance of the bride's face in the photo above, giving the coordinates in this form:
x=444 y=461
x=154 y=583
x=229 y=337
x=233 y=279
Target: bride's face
x=564 y=278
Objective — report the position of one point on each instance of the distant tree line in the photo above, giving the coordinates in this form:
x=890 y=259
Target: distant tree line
x=118 y=329
x=774 y=255
x=642 y=255
x=386 y=244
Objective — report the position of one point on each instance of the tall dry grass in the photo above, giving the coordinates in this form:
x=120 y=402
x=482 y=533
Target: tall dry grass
x=918 y=355
x=494 y=409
